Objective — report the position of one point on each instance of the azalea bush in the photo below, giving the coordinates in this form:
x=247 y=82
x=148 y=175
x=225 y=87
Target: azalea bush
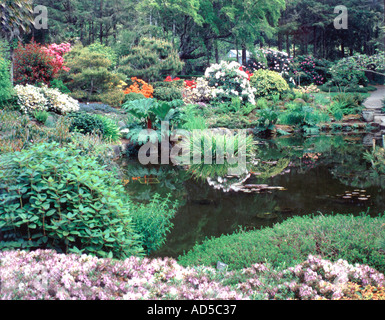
x=32 y=98
x=33 y=64
x=57 y=52
x=140 y=86
x=47 y=275
x=229 y=80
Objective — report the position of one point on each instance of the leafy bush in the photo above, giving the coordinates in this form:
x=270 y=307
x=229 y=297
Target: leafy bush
x=54 y=198
x=133 y=96
x=5 y=82
x=87 y=123
x=168 y=94
x=268 y=83
x=153 y=221
x=151 y=60
x=346 y=74
x=354 y=239
x=41 y=116
x=113 y=97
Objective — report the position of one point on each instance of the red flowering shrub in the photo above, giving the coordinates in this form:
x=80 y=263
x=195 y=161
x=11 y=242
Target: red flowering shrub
x=33 y=65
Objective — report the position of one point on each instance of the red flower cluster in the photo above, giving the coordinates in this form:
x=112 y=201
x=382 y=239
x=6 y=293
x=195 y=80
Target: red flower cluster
x=247 y=72
x=191 y=84
x=170 y=79
x=188 y=83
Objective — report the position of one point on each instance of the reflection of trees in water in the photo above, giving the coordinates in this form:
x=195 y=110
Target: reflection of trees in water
x=160 y=180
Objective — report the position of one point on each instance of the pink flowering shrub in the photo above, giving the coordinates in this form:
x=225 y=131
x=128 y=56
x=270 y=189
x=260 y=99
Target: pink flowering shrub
x=57 y=52
x=47 y=275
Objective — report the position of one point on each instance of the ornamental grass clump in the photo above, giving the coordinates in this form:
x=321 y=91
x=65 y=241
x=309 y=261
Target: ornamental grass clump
x=54 y=198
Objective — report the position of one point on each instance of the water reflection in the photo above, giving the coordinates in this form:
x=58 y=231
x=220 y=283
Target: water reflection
x=326 y=174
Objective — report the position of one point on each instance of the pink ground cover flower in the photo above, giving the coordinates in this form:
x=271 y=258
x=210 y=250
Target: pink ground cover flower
x=47 y=275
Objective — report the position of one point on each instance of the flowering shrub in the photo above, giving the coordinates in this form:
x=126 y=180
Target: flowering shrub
x=33 y=65
x=140 y=86
x=59 y=102
x=307 y=71
x=268 y=83
x=269 y=59
x=46 y=275
x=199 y=92
x=31 y=99
x=57 y=52
x=229 y=81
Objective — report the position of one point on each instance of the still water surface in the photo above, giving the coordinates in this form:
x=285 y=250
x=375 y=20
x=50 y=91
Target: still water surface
x=320 y=174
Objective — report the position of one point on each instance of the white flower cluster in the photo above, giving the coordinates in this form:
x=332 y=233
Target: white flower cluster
x=31 y=99
x=229 y=80
x=59 y=102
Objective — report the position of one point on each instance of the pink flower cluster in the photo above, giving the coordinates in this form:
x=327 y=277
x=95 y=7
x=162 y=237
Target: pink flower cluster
x=57 y=51
x=47 y=275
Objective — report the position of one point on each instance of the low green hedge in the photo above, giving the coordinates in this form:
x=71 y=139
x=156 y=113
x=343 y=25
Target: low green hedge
x=357 y=239
x=367 y=89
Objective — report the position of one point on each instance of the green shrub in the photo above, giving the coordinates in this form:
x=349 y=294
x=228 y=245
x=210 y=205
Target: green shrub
x=86 y=123
x=268 y=83
x=112 y=98
x=153 y=221
x=151 y=60
x=355 y=239
x=167 y=94
x=59 y=84
x=41 y=116
x=111 y=131
x=5 y=82
x=133 y=96
x=54 y=198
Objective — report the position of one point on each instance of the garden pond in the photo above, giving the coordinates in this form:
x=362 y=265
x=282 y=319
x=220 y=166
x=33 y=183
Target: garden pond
x=321 y=174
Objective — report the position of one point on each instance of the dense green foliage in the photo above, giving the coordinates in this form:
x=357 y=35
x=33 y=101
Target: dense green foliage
x=151 y=60
x=54 y=198
x=5 y=82
x=268 y=83
x=355 y=239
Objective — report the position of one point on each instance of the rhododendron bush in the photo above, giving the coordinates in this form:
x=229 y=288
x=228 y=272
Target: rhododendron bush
x=47 y=275
x=229 y=80
x=36 y=64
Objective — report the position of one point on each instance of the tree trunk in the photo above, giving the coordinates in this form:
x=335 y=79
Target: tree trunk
x=244 y=54
x=288 y=44
x=12 y=56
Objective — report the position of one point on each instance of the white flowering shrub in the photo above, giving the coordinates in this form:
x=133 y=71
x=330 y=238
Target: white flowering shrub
x=201 y=92
x=31 y=99
x=229 y=80
x=59 y=102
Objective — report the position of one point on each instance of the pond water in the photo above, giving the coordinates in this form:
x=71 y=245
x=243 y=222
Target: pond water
x=319 y=174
